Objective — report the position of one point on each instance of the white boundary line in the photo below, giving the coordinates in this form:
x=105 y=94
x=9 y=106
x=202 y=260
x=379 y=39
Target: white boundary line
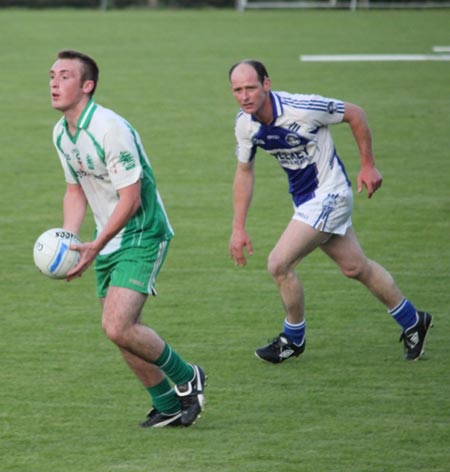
x=375 y=57
x=441 y=48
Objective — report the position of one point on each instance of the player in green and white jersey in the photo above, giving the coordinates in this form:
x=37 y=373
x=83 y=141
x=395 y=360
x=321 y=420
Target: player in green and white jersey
x=106 y=154
x=105 y=167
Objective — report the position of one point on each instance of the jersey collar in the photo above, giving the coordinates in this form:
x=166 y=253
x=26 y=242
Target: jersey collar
x=83 y=120
x=86 y=114
x=277 y=106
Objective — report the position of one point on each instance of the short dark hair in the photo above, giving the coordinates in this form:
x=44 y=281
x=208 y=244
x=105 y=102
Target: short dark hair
x=259 y=67
x=90 y=69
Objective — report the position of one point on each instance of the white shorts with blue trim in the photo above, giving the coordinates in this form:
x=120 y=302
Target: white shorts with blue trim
x=329 y=212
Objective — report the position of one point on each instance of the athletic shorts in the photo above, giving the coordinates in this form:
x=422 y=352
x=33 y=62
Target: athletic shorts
x=134 y=268
x=329 y=212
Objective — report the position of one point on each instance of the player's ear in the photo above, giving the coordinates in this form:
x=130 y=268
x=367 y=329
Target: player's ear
x=88 y=86
x=267 y=84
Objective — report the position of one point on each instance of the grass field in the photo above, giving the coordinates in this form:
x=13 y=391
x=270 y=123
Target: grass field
x=350 y=403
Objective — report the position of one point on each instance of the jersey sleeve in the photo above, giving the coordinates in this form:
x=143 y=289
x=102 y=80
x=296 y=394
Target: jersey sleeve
x=122 y=156
x=321 y=111
x=245 y=148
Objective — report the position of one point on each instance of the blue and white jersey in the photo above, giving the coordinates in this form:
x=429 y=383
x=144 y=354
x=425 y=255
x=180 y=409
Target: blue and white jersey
x=300 y=140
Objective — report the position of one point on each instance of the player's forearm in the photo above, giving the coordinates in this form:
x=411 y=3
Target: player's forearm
x=240 y=217
x=357 y=120
x=363 y=138
x=129 y=202
x=242 y=197
x=74 y=210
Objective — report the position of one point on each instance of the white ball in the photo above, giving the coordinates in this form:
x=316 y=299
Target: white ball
x=52 y=255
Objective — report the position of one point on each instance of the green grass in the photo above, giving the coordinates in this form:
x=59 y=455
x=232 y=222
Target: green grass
x=350 y=403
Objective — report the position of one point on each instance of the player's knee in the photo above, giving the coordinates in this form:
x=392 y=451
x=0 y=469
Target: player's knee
x=114 y=332
x=354 y=270
x=273 y=266
x=276 y=267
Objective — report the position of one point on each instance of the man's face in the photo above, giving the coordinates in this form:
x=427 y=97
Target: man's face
x=249 y=92
x=67 y=89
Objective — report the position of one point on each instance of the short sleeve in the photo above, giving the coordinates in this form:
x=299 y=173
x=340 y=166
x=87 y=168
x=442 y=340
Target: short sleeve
x=122 y=156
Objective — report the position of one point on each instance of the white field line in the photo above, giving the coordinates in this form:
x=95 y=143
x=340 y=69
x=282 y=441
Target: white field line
x=441 y=48
x=373 y=57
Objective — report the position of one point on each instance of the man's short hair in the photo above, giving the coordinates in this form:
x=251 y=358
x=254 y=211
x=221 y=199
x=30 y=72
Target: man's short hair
x=259 y=67
x=90 y=69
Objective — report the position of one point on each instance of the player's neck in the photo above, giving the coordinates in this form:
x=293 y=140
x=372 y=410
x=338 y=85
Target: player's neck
x=72 y=115
x=265 y=115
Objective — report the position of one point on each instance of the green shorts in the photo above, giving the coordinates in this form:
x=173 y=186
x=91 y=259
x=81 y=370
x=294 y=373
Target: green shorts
x=134 y=268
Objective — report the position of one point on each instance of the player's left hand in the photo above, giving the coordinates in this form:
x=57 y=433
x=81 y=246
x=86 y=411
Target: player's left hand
x=88 y=252
x=369 y=177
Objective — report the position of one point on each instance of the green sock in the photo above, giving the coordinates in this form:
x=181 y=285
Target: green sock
x=174 y=366
x=164 y=398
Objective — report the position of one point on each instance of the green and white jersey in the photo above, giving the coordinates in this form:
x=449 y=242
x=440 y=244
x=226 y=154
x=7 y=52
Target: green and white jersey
x=105 y=155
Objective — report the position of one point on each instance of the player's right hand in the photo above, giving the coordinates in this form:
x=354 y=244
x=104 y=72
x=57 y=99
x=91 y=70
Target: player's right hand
x=238 y=241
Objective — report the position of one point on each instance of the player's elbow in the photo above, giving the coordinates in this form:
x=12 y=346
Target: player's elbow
x=136 y=204
x=354 y=114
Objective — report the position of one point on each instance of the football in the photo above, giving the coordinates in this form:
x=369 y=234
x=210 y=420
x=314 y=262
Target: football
x=52 y=255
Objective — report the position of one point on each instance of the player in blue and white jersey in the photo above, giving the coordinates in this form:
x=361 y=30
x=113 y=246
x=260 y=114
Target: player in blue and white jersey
x=105 y=167
x=295 y=130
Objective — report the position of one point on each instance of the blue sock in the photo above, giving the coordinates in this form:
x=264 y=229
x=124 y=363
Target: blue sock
x=405 y=314
x=296 y=332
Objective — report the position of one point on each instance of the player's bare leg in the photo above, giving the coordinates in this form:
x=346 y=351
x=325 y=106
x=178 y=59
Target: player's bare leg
x=153 y=361
x=121 y=322
x=149 y=374
x=347 y=253
x=349 y=256
x=296 y=242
